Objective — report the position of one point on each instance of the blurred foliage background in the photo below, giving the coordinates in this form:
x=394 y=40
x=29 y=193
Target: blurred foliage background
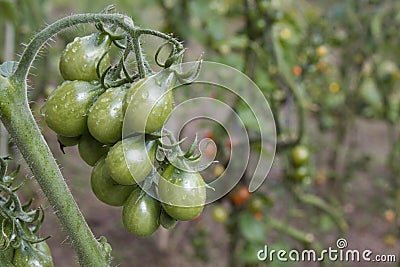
x=330 y=70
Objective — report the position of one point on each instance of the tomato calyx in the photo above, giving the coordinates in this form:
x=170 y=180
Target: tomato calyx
x=105 y=248
x=18 y=223
x=171 y=153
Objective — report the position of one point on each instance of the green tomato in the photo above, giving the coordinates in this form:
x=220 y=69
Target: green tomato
x=106 y=189
x=129 y=161
x=149 y=103
x=80 y=58
x=300 y=155
x=300 y=173
x=140 y=214
x=106 y=116
x=91 y=150
x=183 y=194
x=256 y=204
x=219 y=214
x=167 y=221
x=35 y=255
x=68 y=141
x=65 y=111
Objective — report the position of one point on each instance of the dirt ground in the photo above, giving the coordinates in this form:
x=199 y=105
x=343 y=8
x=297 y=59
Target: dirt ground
x=364 y=212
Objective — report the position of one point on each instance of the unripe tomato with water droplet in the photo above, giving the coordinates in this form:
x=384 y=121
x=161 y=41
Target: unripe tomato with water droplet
x=80 y=58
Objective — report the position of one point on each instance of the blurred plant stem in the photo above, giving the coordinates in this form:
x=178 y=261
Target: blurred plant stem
x=176 y=18
x=9 y=48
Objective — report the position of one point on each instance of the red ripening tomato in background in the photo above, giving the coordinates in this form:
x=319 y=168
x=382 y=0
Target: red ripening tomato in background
x=258 y=216
x=209 y=135
x=297 y=70
x=241 y=196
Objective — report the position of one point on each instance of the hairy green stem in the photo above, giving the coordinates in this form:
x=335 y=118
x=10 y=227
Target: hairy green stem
x=9 y=49
x=167 y=37
x=139 y=56
x=18 y=119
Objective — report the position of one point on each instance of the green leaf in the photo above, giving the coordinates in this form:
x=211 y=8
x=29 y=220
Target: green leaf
x=251 y=229
x=8 y=68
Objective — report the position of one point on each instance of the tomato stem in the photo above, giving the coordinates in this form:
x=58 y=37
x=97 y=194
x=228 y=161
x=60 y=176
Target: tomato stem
x=139 y=55
x=167 y=37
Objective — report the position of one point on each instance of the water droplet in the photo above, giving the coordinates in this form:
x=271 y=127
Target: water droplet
x=145 y=95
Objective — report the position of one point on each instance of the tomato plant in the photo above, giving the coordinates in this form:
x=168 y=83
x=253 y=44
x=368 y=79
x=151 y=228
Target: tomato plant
x=328 y=69
x=87 y=109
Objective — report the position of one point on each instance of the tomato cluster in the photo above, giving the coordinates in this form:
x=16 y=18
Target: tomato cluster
x=84 y=112
x=300 y=156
